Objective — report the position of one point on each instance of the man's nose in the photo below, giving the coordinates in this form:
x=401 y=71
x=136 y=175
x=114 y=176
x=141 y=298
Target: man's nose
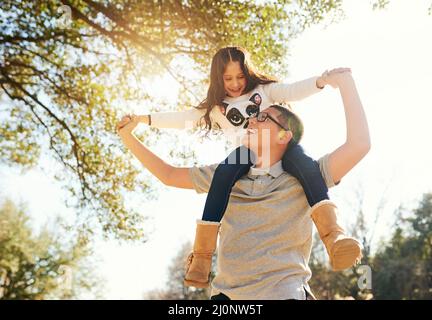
x=251 y=120
x=248 y=122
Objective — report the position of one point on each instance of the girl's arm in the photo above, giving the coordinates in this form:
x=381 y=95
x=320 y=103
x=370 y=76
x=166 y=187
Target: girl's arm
x=287 y=92
x=174 y=120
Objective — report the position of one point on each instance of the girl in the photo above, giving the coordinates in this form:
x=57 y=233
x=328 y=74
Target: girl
x=236 y=93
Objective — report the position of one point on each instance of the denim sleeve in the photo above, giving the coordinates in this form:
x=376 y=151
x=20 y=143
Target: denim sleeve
x=202 y=177
x=325 y=171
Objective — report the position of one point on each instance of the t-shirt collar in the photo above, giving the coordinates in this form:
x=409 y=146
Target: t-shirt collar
x=275 y=170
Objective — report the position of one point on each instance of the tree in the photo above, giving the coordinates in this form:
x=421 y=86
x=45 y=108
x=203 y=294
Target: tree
x=381 y=4
x=175 y=289
x=344 y=285
x=403 y=268
x=42 y=266
x=68 y=67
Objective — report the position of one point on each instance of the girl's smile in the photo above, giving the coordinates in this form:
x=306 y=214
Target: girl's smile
x=234 y=79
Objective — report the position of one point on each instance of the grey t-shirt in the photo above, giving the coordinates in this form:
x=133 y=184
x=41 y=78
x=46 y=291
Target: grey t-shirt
x=265 y=236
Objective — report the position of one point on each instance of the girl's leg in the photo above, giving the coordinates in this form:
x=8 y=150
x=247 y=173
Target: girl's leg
x=227 y=173
x=307 y=171
x=235 y=166
x=343 y=251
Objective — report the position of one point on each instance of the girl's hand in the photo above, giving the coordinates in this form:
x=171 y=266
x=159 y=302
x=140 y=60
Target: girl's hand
x=144 y=119
x=127 y=124
x=334 y=76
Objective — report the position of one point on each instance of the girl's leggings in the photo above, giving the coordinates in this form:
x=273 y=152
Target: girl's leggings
x=305 y=169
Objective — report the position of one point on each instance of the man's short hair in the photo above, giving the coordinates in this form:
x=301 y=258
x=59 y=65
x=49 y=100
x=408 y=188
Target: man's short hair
x=291 y=121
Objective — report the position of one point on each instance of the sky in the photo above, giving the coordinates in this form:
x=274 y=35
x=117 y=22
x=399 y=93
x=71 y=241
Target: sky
x=389 y=53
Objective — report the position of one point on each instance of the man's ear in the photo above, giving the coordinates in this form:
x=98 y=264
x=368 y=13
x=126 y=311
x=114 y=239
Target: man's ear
x=284 y=136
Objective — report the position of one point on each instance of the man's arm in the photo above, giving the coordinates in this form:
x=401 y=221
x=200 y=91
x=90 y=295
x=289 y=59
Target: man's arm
x=167 y=174
x=357 y=143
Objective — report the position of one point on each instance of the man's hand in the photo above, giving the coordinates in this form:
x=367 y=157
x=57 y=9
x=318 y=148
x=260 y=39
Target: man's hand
x=331 y=77
x=127 y=124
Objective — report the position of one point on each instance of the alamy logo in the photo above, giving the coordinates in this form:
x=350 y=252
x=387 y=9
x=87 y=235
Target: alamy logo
x=365 y=280
x=66 y=16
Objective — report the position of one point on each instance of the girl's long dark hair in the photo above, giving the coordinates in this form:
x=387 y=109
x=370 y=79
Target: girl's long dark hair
x=216 y=92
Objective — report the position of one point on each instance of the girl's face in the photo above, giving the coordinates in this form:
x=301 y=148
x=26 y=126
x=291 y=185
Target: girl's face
x=234 y=79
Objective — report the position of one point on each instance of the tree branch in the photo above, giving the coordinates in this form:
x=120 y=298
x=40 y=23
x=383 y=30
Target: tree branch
x=13 y=39
x=75 y=146
x=135 y=38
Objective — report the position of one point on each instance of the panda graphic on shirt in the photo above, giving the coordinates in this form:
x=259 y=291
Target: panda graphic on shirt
x=238 y=113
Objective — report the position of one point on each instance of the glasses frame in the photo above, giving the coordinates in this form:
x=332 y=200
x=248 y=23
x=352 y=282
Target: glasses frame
x=267 y=116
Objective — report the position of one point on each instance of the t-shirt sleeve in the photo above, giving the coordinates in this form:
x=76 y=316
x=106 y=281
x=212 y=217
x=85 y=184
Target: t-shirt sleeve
x=287 y=92
x=178 y=119
x=202 y=177
x=325 y=171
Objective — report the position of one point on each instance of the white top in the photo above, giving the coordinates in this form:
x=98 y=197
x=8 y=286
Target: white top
x=232 y=115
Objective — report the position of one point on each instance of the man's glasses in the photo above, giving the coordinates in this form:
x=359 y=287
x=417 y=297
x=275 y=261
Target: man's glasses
x=263 y=116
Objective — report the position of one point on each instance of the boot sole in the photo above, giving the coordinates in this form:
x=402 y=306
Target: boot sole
x=191 y=283
x=346 y=253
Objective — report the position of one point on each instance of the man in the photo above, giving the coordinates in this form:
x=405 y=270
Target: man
x=266 y=233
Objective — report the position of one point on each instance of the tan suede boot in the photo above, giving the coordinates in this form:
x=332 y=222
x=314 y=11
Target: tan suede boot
x=199 y=262
x=344 y=252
